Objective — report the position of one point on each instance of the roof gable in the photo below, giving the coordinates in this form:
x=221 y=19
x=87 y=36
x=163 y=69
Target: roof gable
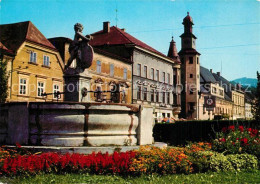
x=13 y=35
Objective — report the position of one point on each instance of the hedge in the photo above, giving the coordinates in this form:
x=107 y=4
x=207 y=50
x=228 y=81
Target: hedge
x=181 y=132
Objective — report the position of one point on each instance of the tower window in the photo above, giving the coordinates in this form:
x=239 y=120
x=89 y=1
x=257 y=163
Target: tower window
x=191 y=91
x=190 y=60
x=197 y=60
x=191 y=75
x=182 y=60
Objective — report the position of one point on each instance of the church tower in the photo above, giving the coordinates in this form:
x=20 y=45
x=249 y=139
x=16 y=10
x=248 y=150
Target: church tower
x=190 y=71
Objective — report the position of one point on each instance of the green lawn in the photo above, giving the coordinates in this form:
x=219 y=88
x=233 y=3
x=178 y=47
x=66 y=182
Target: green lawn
x=221 y=177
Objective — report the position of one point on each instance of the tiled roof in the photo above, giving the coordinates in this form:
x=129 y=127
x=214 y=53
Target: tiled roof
x=13 y=35
x=117 y=36
x=207 y=75
x=188 y=51
x=111 y=55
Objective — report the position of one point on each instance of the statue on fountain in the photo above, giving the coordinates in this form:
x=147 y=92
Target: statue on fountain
x=80 y=50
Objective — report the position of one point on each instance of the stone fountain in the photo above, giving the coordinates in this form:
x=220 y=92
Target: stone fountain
x=76 y=125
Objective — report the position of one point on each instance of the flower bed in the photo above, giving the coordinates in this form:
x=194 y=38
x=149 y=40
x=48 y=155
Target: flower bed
x=68 y=163
x=221 y=155
x=232 y=140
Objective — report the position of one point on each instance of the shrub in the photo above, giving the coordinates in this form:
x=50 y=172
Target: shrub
x=232 y=140
x=201 y=160
x=155 y=160
x=219 y=162
x=243 y=161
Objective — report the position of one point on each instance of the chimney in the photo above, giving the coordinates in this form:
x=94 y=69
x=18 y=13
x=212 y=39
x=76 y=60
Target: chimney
x=106 y=27
x=123 y=29
x=211 y=71
x=218 y=73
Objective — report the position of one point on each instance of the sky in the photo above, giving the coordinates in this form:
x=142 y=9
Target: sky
x=227 y=31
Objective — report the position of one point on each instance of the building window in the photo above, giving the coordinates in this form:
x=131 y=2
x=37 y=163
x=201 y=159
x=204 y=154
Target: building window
x=22 y=86
x=138 y=69
x=163 y=115
x=157 y=96
x=168 y=115
x=197 y=60
x=191 y=91
x=56 y=89
x=111 y=70
x=145 y=94
x=33 y=57
x=98 y=66
x=46 y=60
x=163 y=97
x=214 y=90
x=163 y=77
x=157 y=75
x=221 y=92
x=182 y=60
x=152 y=74
x=152 y=95
x=168 y=78
x=191 y=75
x=138 y=92
x=125 y=73
x=40 y=89
x=190 y=60
x=145 y=71
x=168 y=98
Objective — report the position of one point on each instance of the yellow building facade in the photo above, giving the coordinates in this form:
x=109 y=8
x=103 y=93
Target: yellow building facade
x=111 y=75
x=37 y=67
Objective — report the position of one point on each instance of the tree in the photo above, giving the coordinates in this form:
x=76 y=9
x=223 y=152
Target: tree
x=3 y=81
x=256 y=105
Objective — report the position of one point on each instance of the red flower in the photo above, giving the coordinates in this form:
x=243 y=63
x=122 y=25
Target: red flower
x=254 y=132
x=249 y=129
x=231 y=127
x=222 y=140
x=241 y=128
x=224 y=129
x=18 y=145
x=244 y=141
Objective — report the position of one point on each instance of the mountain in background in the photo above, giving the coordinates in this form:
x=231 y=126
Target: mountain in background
x=246 y=81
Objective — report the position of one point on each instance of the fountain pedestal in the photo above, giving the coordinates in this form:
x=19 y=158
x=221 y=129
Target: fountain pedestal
x=76 y=85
